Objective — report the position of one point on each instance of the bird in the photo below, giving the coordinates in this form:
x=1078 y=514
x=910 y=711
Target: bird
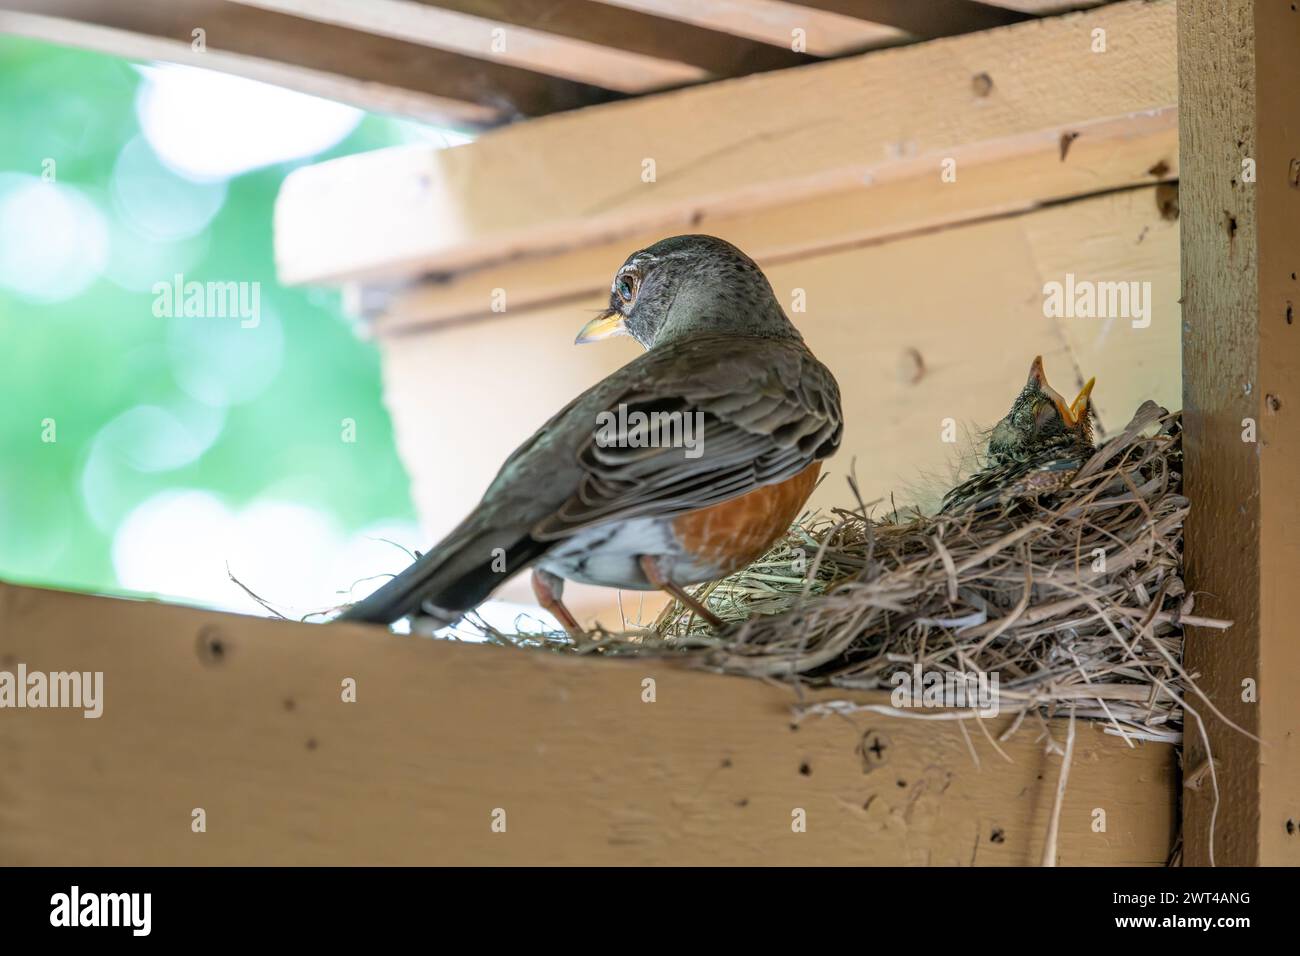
x=1035 y=449
x=597 y=495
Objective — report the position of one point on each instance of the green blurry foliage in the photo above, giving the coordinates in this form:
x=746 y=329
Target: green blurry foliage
x=84 y=361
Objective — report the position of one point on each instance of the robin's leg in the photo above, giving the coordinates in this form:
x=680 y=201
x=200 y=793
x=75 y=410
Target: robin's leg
x=650 y=566
x=547 y=588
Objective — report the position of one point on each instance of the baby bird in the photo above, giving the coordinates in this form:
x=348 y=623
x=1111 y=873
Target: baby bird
x=1035 y=449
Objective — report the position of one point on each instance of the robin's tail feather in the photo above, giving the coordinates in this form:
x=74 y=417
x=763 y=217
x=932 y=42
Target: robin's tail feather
x=455 y=576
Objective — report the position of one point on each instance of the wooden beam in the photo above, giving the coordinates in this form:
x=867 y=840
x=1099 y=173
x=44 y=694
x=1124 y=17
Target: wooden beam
x=363 y=69
x=934 y=18
x=1046 y=8
x=775 y=144
x=774 y=22
x=494 y=39
x=1240 y=199
x=243 y=718
x=715 y=51
x=994 y=182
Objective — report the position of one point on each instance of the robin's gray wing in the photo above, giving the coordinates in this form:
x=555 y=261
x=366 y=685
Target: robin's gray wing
x=759 y=411
x=767 y=409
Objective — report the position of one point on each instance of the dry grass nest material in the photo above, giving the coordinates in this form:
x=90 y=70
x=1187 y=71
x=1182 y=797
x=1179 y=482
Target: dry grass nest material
x=1076 y=602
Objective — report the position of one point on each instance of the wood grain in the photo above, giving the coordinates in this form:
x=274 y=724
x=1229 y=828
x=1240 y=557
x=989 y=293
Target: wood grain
x=1240 y=256
x=911 y=200
x=934 y=18
x=1046 y=7
x=374 y=72
x=773 y=22
x=718 y=51
x=473 y=31
x=443 y=735
x=773 y=141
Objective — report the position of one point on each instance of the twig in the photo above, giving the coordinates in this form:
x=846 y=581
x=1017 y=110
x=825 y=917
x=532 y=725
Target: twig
x=1049 y=846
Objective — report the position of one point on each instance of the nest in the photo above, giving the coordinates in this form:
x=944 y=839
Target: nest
x=1076 y=602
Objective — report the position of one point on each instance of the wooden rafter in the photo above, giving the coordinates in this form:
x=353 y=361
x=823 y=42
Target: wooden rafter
x=718 y=52
x=776 y=161
x=1044 y=8
x=581 y=41
x=934 y=18
x=774 y=22
x=485 y=62
x=368 y=70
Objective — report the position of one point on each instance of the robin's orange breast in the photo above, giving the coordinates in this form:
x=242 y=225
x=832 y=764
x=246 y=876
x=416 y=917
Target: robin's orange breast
x=736 y=533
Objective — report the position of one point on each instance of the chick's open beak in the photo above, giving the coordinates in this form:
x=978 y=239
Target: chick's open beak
x=1070 y=412
x=1080 y=405
x=602 y=326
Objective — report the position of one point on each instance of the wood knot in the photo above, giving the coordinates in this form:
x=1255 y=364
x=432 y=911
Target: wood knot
x=211 y=645
x=911 y=367
x=1167 y=201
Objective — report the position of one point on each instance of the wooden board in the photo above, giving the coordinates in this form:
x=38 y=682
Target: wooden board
x=991 y=183
x=325 y=59
x=934 y=18
x=1046 y=7
x=484 y=62
x=760 y=150
x=586 y=42
x=1241 y=357
x=243 y=718
x=773 y=22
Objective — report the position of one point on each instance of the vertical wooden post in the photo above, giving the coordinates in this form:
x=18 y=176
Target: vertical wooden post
x=1239 y=128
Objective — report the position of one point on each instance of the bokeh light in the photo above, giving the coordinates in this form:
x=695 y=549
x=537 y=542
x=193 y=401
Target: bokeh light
x=218 y=361
x=144 y=448
x=187 y=543
x=53 y=239
x=157 y=203
x=141 y=440
x=136 y=261
x=210 y=126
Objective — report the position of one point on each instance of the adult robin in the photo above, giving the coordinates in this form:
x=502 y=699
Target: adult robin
x=683 y=466
x=1035 y=449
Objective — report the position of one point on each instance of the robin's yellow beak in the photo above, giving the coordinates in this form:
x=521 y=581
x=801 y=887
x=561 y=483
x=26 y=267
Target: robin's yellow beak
x=602 y=326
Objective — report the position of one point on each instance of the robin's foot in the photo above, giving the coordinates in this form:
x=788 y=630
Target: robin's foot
x=650 y=566
x=547 y=588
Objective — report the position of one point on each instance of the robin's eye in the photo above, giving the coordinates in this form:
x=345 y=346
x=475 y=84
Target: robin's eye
x=626 y=288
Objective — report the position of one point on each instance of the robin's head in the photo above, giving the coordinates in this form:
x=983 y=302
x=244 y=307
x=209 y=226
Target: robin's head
x=1041 y=419
x=686 y=285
